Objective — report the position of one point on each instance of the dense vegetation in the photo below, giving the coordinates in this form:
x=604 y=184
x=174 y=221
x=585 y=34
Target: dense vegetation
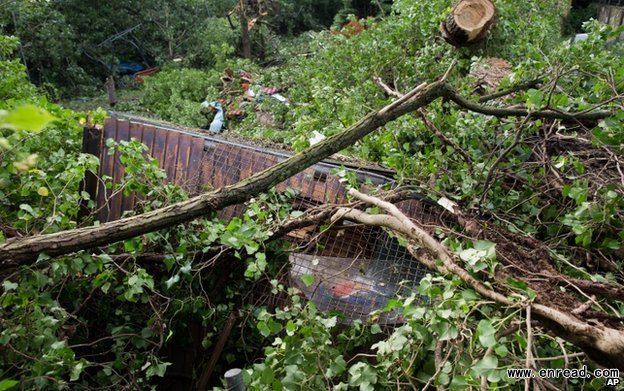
x=107 y=318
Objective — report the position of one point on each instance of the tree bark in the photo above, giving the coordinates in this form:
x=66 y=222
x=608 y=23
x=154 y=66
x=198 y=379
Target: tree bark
x=246 y=40
x=22 y=251
x=469 y=22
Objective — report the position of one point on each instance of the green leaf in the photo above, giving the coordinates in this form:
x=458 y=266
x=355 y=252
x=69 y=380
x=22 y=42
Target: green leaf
x=27 y=117
x=7 y=384
x=337 y=367
x=486 y=365
x=307 y=279
x=363 y=375
x=375 y=329
x=501 y=350
x=77 y=370
x=172 y=281
x=27 y=208
x=8 y=285
x=487 y=333
x=459 y=383
x=534 y=98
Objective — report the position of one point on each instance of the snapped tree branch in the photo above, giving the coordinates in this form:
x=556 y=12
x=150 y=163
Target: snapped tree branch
x=22 y=251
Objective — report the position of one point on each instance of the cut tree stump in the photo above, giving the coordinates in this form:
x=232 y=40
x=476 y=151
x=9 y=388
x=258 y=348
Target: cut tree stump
x=469 y=22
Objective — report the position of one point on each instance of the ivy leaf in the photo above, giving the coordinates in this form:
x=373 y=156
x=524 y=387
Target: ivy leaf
x=487 y=333
x=9 y=286
x=43 y=191
x=77 y=370
x=27 y=208
x=172 y=281
x=375 y=329
x=363 y=375
x=27 y=117
x=337 y=367
x=534 y=98
x=307 y=279
x=7 y=384
x=486 y=365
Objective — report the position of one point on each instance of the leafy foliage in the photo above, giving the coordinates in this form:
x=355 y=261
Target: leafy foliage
x=104 y=318
x=175 y=94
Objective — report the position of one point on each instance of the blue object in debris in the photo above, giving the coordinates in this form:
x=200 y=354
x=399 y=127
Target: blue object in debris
x=217 y=123
x=128 y=68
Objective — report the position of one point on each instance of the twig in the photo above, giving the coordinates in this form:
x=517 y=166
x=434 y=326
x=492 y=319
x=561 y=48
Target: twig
x=488 y=179
x=584 y=307
x=585 y=115
x=445 y=140
x=439 y=363
x=386 y=87
x=566 y=357
x=448 y=71
x=529 y=353
x=517 y=88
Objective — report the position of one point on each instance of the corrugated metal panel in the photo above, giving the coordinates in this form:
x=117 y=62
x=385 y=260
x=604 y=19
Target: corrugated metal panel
x=200 y=162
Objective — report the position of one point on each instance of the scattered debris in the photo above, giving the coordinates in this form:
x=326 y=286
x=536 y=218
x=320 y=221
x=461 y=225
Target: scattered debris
x=239 y=94
x=217 y=122
x=316 y=138
x=490 y=72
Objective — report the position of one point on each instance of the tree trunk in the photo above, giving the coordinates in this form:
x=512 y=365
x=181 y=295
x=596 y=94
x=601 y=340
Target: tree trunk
x=246 y=40
x=469 y=22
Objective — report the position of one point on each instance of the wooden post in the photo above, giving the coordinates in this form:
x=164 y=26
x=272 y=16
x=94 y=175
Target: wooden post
x=110 y=88
x=92 y=138
x=216 y=353
x=469 y=22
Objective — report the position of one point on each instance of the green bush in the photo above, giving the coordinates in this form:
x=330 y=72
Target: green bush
x=176 y=94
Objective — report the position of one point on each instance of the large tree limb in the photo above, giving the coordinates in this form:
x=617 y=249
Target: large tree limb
x=603 y=344
x=21 y=251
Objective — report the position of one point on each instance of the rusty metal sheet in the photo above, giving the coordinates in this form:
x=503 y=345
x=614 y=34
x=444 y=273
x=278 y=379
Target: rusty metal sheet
x=136 y=133
x=182 y=163
x=147 y=138
x=160 y=146
x=263 y=162
x=320 y=189
x=247 y=158
x=220 y=169
x=171 y=154
x=123 y=133
x=233 y=163
x=307 y=183
x=195 y=164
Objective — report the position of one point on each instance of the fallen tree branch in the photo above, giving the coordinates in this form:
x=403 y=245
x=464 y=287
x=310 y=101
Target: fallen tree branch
x=520 y=112
x=517 y=88
x=21 y=251
x=605 y=345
